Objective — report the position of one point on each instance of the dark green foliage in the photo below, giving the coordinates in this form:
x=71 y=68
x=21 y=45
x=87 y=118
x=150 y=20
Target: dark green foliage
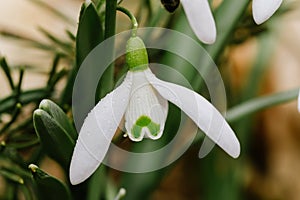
x=56 y=133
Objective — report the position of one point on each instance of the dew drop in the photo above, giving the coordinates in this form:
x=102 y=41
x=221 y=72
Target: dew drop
x=138 y=99
x=111 y=130
x=88 y=134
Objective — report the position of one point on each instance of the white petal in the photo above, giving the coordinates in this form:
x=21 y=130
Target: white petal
x=263 y=9
x=201 y=19
x=97 y=132
x=206 y=147
x=203 y=113
x=299 y=102
x=145 y=103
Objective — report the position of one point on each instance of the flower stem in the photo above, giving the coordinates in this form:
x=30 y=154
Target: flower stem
x=107 y=81
x=132 y=18
x=15 y=114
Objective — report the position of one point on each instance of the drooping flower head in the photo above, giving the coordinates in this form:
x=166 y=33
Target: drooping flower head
x=142 y=100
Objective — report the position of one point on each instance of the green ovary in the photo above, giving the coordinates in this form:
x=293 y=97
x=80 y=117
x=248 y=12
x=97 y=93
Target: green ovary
x=136 y=54
x=144 y=121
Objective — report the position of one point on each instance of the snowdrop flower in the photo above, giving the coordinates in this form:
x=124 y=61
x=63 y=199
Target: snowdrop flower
x=201 y=20
x=142 y=99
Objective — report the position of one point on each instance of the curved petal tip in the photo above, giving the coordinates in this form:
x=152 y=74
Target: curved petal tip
x=264 y=9
x=202 y=112
x=82 y=165
x=201 y=19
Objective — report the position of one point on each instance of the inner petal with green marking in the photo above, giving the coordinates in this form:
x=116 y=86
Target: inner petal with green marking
x=145 y=122
x=147 y=111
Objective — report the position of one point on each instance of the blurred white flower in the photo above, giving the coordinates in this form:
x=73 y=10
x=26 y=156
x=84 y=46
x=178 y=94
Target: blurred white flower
x=263 y=9
x=200 y=17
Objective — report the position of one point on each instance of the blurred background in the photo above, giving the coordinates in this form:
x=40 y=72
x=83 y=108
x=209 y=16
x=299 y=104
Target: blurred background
x=256 y=61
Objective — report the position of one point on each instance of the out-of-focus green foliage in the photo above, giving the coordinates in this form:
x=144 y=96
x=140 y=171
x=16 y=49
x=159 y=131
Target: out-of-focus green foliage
x=56 y=133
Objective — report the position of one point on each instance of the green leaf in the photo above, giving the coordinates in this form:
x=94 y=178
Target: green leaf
x=9 y=166
x=49 y=188
x=89 y=33
x=53 y=10
x=10 y=192
x=266 y=46
x=29 y=41
x=27 y=193
x=64 y=45
x=56 y=133
x=58 y=114
x=97 y=183
x=11 y=176
x=70 y=35
x=227 y=18
x=260 y=103
x=66 y=95
x=29 y=96
x=53 y=68
x=14 y=116
x=6 y=70
x=19 y=86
